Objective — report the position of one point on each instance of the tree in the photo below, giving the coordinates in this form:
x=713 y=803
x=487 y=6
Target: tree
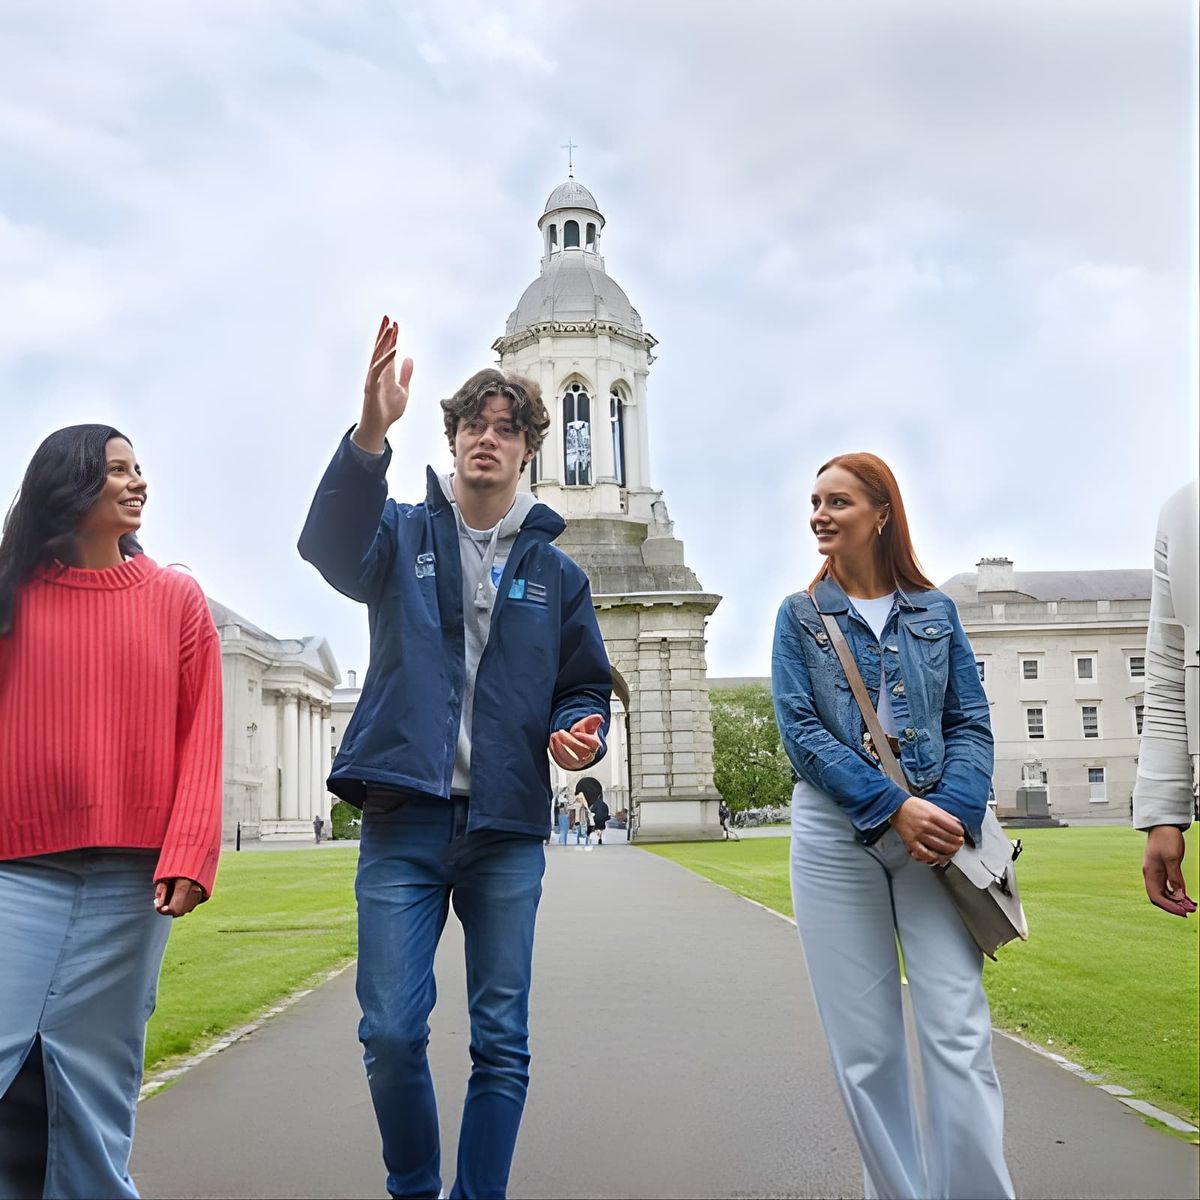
x=750 y=767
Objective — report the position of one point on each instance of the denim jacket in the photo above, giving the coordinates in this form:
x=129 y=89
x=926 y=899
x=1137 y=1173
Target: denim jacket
x=941 y=712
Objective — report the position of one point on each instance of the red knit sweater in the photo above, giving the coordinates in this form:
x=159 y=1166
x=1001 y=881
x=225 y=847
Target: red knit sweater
x=110 y=718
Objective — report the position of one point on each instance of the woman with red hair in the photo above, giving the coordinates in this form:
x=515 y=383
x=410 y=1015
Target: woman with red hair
x=862 y=846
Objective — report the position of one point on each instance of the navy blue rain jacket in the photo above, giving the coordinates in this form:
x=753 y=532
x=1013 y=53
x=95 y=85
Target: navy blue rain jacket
x=544 y=666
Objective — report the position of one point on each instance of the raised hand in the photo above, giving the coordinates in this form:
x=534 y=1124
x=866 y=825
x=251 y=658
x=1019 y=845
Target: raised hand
x=574 y=748
x=385 y=397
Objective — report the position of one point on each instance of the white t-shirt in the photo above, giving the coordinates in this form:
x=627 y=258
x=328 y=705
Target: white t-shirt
x=876 y=613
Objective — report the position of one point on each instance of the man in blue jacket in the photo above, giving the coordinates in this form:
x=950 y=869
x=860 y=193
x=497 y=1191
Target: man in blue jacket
x=485 y=654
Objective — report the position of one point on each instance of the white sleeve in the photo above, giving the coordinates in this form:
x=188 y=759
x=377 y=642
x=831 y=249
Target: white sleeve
x=1162 y=793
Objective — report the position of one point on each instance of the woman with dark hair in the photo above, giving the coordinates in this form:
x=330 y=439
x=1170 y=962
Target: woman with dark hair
x=863 y=848
x=110 y=806
x=593 y=793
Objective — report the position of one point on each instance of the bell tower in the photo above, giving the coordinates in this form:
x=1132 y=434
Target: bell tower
x=575 y=332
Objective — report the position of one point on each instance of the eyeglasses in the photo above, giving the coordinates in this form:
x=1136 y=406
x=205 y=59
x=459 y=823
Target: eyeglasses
x=505 y=430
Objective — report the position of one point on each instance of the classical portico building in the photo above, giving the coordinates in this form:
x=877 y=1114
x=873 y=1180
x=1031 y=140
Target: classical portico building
x=277 y=741
x=576 y=334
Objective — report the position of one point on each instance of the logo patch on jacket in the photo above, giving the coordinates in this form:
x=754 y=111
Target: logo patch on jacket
x=426 y=566
x=524 y=589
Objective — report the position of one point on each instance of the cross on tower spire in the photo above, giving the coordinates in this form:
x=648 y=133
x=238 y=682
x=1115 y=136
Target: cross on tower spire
x=570 y=147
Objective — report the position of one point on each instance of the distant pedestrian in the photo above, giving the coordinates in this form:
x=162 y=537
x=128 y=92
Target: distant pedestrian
x=593 y=793
x=110 y=806
x=564 y=820
x=723 y=815
x=862 y=848
x=318 y=826
x=583 y=819
x=1163 y=799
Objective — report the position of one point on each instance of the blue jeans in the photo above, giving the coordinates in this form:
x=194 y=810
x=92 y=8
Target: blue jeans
x=852 y=902
x=80 y=948
x=415 y=860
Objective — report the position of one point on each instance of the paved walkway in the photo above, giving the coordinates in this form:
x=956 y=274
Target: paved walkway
x=704 y=1073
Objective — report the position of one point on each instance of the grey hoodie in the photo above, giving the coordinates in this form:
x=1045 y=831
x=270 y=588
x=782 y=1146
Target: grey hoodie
x=483 y=553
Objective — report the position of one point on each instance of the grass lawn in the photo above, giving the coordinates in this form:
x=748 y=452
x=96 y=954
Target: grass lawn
x=1106 y=979
x=276 y=920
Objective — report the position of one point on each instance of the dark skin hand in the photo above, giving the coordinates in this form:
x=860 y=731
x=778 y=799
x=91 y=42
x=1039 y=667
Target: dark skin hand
x=177 y=897
x=1162 y=871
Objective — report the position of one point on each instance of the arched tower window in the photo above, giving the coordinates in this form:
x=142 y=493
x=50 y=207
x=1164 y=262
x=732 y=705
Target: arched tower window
x=616 y=419
x=591 y=235
x=551 y=238
x=571 y=235
x=577 y=436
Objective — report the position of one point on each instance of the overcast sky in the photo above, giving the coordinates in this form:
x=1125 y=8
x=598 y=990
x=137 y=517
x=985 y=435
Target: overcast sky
x=962 y=235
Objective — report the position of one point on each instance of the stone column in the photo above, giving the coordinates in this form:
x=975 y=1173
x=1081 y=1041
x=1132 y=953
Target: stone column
x=319 y=768
x=289 y=801
x=643 y=433
x=552 y=453
x=304 y=762
x=269 y=732
x=326 y=756
x=603 y=459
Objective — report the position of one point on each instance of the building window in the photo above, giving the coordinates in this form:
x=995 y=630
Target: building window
x=1029 y=668
x=1139 y=715
x=616 y=418
x=535 y=469
x=1095 y=777
x=1035 y=722
x=591 y=235
x=571 y=235
x=1091 y=720
x=979 y=667
x=553 y=244
x=577 y=436
x=1085 y=668
x=1137 y=666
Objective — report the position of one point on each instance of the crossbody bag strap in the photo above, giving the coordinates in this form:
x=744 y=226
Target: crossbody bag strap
x=862 y=697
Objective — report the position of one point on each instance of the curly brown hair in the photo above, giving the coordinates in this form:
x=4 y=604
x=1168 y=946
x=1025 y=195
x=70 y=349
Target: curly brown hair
x=528 y=411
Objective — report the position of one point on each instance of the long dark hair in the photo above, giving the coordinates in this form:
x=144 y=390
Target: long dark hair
x=894 y=547
x=591 y=789
x=63 y=480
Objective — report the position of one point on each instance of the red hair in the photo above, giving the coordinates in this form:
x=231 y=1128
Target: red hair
x=894 y=548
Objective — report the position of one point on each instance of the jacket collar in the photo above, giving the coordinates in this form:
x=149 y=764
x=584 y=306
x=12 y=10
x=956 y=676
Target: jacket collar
x=828 y=597
x=540 y=519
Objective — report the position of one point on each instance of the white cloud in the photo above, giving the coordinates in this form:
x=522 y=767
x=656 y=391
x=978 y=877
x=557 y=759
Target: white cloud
x=962 y=236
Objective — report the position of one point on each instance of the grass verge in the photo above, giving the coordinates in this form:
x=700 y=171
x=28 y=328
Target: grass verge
x=1105 y=979
x=275 y=922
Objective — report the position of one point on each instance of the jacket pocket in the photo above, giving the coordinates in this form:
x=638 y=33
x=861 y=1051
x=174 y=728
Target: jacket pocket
x=931 y=641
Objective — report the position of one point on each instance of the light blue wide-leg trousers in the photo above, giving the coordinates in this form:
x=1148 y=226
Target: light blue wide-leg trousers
x=81 y=946
x=852 y=903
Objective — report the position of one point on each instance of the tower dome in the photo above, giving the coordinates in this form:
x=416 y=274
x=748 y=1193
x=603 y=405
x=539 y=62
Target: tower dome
x=571 y=194
x=573 y=286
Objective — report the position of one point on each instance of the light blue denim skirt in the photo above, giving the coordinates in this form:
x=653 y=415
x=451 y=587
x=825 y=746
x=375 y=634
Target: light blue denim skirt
x=81 y=946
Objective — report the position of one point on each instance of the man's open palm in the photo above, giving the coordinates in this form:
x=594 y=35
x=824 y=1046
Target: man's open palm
x=384 y=396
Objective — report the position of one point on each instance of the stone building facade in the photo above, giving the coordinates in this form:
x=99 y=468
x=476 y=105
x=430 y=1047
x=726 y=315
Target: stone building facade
x=1062 y=657
x=277 y=728
x=575 y=332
